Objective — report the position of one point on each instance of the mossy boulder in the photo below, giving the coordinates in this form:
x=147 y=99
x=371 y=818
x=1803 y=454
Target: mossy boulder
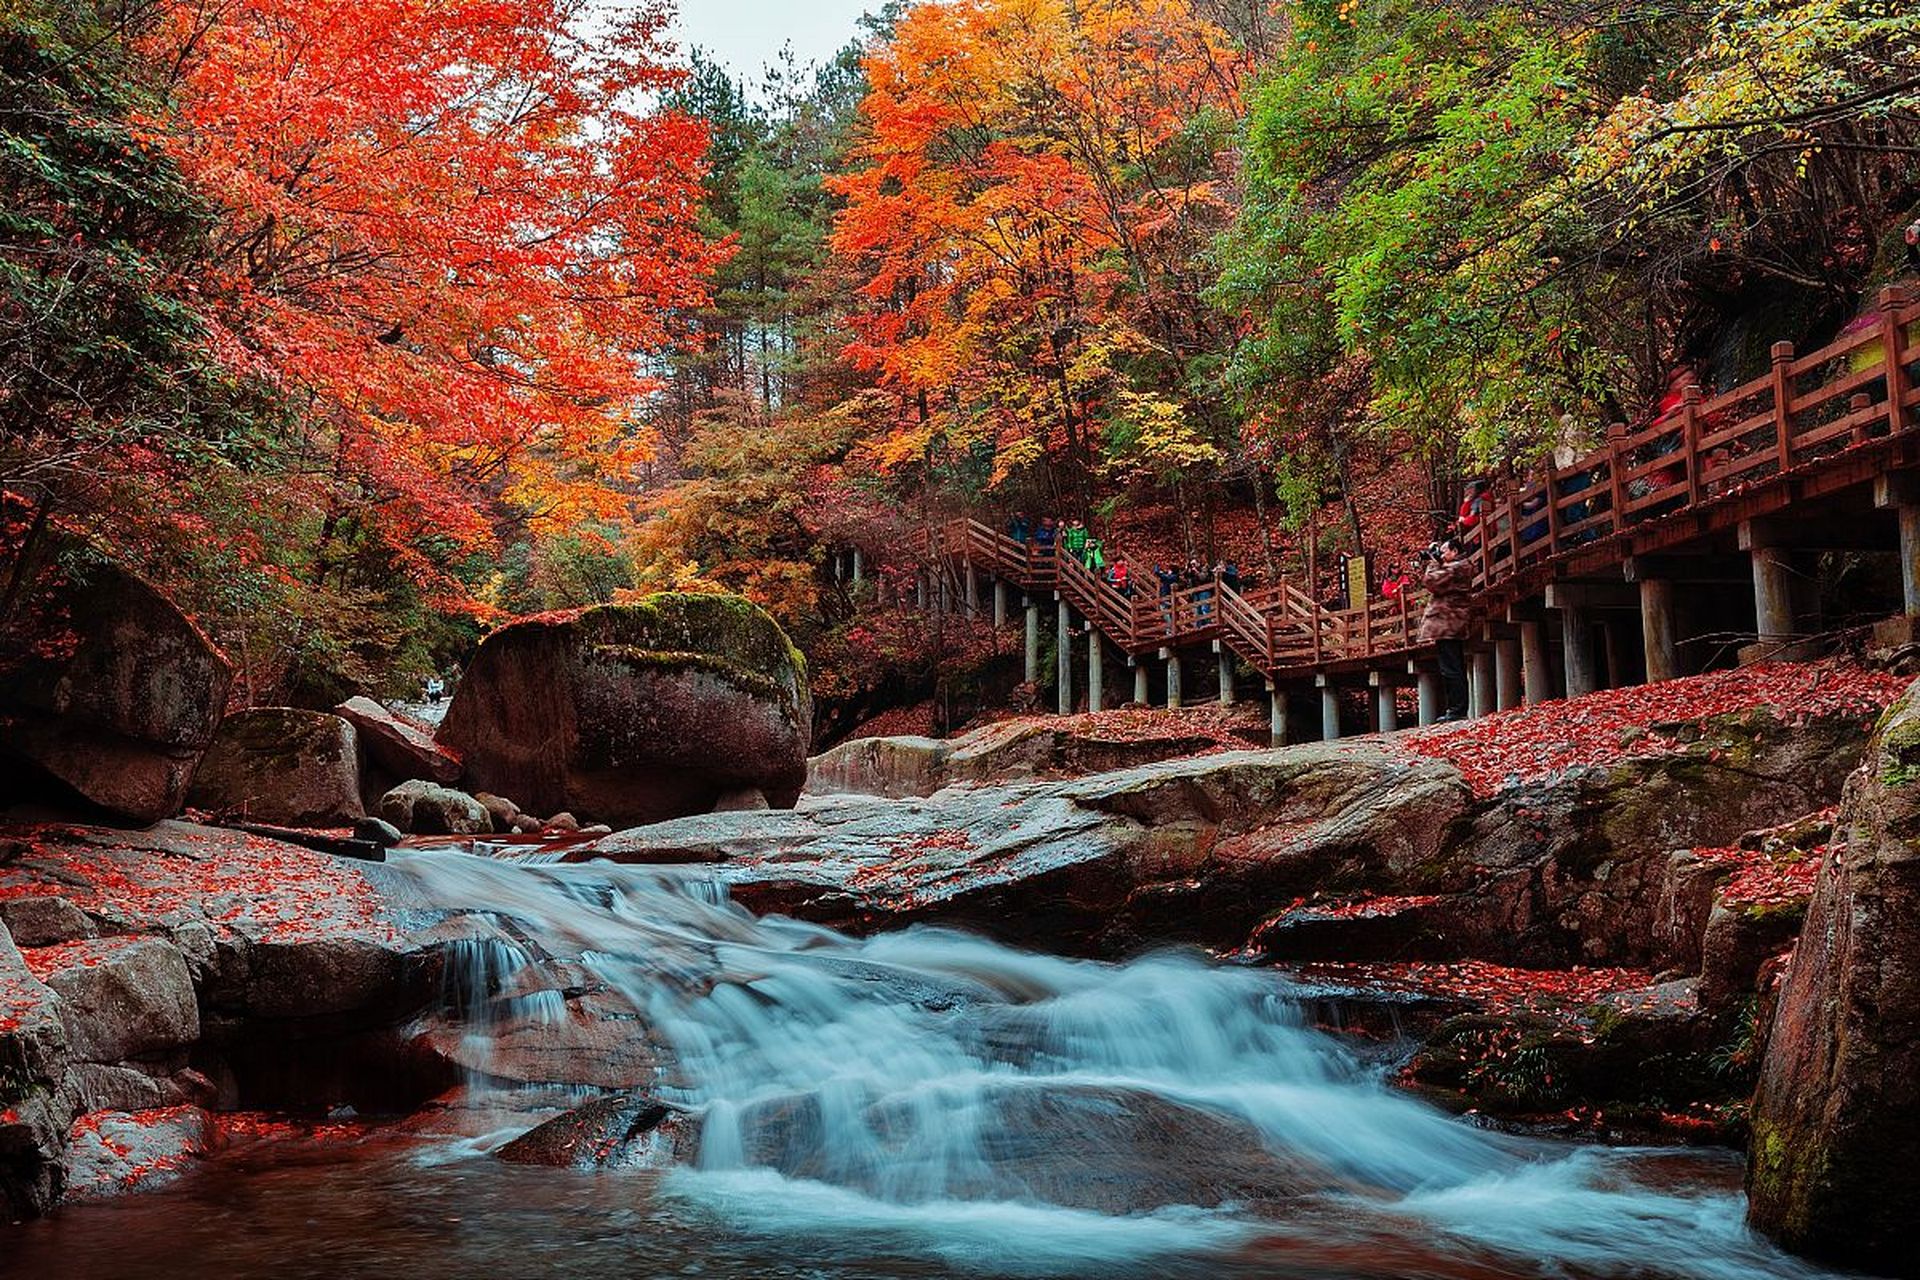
x=108 y=694
x=282 y=765
x=635 y=713
x=1836 y=1120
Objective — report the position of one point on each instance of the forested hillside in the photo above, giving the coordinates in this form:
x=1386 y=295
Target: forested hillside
x=362 y=327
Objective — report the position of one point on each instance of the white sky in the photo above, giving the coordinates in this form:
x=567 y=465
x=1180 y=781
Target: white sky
x=747 y=34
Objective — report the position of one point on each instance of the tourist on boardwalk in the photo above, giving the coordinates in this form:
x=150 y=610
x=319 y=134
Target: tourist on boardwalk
x=1473 y=508
x=1043 y=537
x=1395 y=583
x=1448 y=574
x=1095 y=555
x=1020 y=529
x=1230 y=577
x=1073 y=541
x=1117 y=574
x=1169 y=583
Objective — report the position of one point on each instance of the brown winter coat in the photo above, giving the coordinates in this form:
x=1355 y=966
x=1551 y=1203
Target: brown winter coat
x=1449 y=614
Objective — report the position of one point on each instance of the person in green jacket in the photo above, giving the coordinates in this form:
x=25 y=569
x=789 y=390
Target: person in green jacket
x=1096 y=555
x=1074 y=541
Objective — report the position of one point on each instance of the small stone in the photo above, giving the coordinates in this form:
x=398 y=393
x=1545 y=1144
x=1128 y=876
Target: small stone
x=597 y=829
x=502 y=810
x=426 y=808
x=563 y=822
x=379 y=831
x=527 y=825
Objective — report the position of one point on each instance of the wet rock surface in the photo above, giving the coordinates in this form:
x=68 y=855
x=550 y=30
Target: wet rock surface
x=635 y=713
x=397 y=747
x=1836 y=1120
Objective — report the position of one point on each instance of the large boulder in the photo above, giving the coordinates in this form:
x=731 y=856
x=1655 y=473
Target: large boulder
x=284 y=766
x=1836 y=1120
x=108 y=692
x=399 y=748
x=635 y=713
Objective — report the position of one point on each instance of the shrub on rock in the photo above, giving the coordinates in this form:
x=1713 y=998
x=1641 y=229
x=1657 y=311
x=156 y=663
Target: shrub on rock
x=636 y=713
x=282 y=765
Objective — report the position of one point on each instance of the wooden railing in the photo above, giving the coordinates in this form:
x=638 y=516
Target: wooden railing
x=1807 y=412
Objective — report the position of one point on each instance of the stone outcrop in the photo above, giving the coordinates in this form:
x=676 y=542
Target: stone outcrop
x=107 y=693
x=397 y=749
x=1578 y=868
x=1836 y=1120
x=1015 y=751
x=284 y=766
x=227 y=971
x=635 y=713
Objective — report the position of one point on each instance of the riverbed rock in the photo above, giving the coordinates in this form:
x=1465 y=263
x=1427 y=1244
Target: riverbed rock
x=284 y=766
x=400 y=749
x=1836 y=1119
x=623 y=1131
x=1357 y=849
x=502 y=810
x=44 y=921
x=35 y=1109
x=429 y=809
x=124 y=998
x=116 y=1151
x=108 y=693
x=635 y=713
x=1014 y=751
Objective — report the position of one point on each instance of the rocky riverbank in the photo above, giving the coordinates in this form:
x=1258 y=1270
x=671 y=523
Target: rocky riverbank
x=1571 y=918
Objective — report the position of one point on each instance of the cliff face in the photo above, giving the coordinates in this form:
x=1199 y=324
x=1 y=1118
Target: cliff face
x=1836 y=1121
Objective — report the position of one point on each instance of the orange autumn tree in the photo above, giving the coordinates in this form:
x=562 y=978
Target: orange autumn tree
x=452 y=233
x=1029 y=212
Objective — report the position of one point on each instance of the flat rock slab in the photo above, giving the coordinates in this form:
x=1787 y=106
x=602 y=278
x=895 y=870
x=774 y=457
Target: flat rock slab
x=401 y=748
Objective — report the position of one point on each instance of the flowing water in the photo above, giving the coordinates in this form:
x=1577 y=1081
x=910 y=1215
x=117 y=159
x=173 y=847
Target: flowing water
x=921 y=1103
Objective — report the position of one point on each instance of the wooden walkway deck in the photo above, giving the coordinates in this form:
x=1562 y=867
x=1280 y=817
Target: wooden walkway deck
x=1815 y=425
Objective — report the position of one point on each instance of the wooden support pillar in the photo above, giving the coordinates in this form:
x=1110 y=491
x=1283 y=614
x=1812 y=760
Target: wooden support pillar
x=920 y=590
x=973 y=589
x=1173 y=678
x=1427 y=686
x=1535 y=666
x=946 y=595
x=1900 y=491
x=859 y=567
x=1142 y=694
x=1225 y=657
x=1385 y=710
x=1096 y=670
x=1329 y=713
x=1063 y=666
x=1277 y=715
x=1910 y=557
x=1772 y=593
x=1480 y=701
x=1658 y=636
x=1583 y=663
x=999 y=604
x=1508 y=689
x=1033 y=641
x=1615 y=652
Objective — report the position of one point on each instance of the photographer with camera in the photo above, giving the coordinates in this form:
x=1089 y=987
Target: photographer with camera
x=1446 y=572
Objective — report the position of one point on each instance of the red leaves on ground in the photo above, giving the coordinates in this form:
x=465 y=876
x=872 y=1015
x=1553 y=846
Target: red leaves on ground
x=1532 y=744
x=1496 y=988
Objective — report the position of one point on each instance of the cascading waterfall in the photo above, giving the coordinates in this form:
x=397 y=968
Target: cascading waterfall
x=931 y=1093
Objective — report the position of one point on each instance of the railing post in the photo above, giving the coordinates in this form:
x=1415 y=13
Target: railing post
x=1860 y=403
x=1783 y=404
x=1553 y=509
x=1690 y=441
x=1616 y=438
x=1892 y=299
x=1513 y=529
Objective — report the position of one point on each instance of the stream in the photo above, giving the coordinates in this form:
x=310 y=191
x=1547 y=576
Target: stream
x=914 y=1104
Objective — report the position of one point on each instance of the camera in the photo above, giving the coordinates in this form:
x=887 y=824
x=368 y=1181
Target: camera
x=1432 y=551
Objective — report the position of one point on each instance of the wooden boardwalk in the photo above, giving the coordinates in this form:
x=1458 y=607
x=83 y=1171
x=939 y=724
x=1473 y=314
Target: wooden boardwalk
x=1816 y=430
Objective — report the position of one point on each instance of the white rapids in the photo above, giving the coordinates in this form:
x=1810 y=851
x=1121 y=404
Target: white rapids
x=932 y=1094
